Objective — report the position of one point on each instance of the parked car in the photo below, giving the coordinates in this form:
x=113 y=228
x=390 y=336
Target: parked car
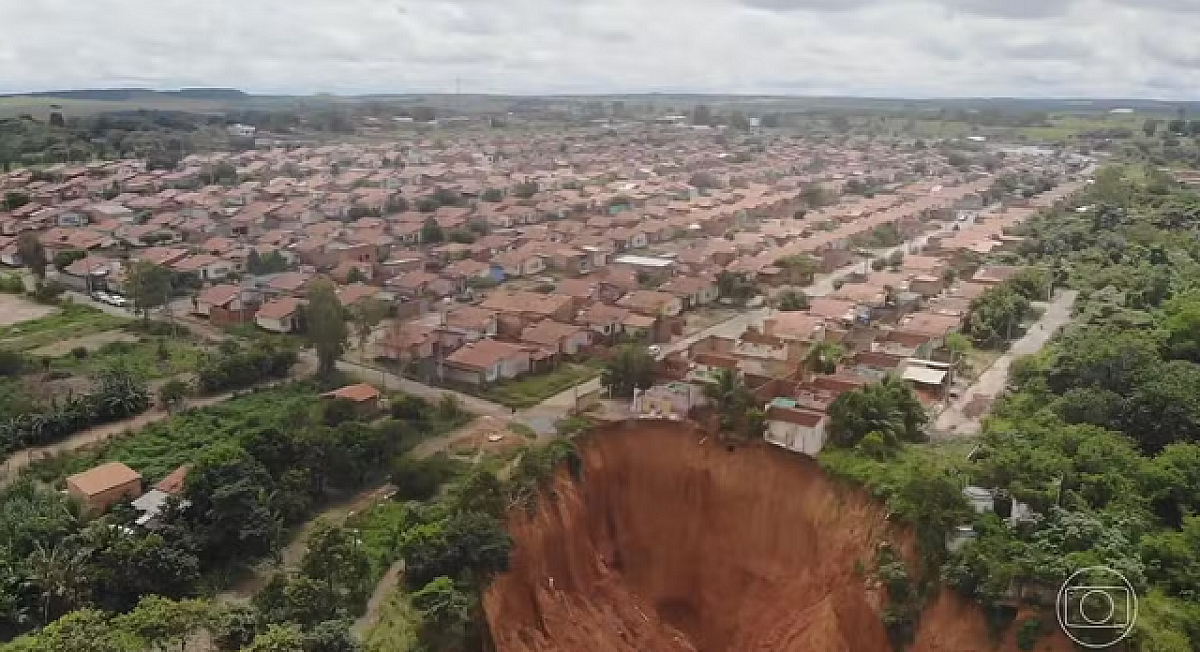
x=118 y=300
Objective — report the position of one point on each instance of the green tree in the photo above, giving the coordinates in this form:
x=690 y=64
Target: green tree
x=420 y=479
x=14 y=199
x=492 y=195
x=799 y=269
x=525 y=190
x=823 y=357
x=431 y=232
x=56 y=573
x=793 y=300
x=172 y=393
x=124 y=568
x=254 y=262
x=86 y=629
x=995 y=316
x=337 y=558
x=888 y=408
x=367 y=314
x=63 y=259
x=161 y=622
x=628 y=368
x=465 y=544
x=481 y=491
x=331 y=636
x=356 y=275
x=740 y=414
x=815 y=196
x=733 y=285
x=149 y=286
x=448 y=614
x=234 y=627
x=230 y=512
x=32 y=253
x=278 y=638
x=325 y=325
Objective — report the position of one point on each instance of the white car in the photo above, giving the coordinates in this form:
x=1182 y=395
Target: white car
x=118 y=300
x=654 y=349
x=103 y=297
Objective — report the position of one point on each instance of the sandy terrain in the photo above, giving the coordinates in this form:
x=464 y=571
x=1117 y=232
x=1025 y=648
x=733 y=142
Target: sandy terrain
x=14 y=310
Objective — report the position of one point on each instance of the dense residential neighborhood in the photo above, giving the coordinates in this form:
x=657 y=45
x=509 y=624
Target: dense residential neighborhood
x=497 y=259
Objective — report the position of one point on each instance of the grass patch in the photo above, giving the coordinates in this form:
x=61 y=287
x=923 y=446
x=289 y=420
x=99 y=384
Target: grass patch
x=145 y=358
x=396 y=630
x=528 y=392
x=380 y=527
x=521 y=429
x=73 y=320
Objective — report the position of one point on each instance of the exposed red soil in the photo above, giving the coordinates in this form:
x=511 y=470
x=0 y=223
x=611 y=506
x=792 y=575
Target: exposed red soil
x=669 y=544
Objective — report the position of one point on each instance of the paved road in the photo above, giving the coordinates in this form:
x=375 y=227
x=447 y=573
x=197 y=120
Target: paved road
x=391 y=381
x=953 y=422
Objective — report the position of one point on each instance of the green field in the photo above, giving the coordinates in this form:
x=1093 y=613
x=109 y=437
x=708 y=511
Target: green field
x=145 y=358
x=72 y=321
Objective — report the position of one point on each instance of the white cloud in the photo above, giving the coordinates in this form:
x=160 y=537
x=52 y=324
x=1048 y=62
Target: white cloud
x=859 y=47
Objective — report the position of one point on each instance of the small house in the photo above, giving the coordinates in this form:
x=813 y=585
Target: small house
x=99 y=488
x=795 y=428
x=366 y=399
x=279 y=316
x=152 y=503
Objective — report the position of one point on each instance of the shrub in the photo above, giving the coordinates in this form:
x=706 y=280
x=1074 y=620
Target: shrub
x=12 y=363
x=12 y=284
x=79 y=352
x=48 y=293
x=241 y=370
x=409 y=407
x=421 y=479
x=1028 y=634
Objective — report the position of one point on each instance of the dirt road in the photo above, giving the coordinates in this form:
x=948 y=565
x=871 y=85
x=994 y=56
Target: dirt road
x=960 y=419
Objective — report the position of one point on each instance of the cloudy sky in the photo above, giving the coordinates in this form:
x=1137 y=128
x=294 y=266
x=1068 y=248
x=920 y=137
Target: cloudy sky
x=911 y=48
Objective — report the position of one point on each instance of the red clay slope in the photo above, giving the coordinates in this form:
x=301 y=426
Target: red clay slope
x=669 y=544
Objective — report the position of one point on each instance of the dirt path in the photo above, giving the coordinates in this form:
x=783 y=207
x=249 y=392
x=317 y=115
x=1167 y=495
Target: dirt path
x=963 y=417
x=383 y=593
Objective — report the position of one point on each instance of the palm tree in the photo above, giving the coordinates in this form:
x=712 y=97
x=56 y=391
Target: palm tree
x=57 y=572
x=736 y=405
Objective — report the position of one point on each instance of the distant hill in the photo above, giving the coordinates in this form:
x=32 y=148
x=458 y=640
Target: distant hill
x=128 y=94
